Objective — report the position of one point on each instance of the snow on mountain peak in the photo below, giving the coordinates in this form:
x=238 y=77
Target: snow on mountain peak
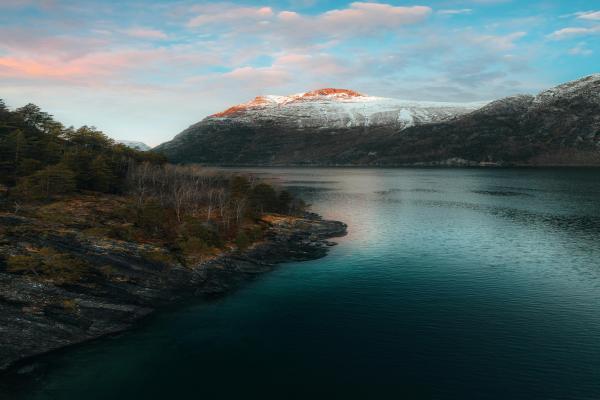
x=332 y=92
x=341 y=108
x=262 y=101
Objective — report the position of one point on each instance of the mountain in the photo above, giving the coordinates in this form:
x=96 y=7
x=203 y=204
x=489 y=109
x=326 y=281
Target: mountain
x=559 y=126
x=338 y=109
x=271 y=129
x=141 y=146
x=340 y=127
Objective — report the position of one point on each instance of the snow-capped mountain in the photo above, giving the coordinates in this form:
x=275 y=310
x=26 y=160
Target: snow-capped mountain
x=141 y=146
x=342 y=127
x=267 y=122
x=341 y=108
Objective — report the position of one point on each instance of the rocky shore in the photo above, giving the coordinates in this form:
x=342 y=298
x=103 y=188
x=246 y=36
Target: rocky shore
x=37 y=317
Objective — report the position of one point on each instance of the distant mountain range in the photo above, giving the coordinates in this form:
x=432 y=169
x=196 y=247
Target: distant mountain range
x=135 y=145
x=560 y=126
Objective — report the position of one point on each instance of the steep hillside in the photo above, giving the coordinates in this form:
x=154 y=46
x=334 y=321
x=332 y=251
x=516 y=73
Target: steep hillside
x=559 y=126
x=302 y=128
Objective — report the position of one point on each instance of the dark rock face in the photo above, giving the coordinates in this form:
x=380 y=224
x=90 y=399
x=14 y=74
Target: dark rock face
x=300 y=129
x=558 y=126
x=37 y=317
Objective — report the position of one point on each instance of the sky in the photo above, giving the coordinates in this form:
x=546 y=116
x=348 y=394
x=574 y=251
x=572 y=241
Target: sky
x=145 y=70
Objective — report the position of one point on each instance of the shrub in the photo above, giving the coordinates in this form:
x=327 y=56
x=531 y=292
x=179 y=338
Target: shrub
x=49 y=263
x=69 y=305
x=255 y=233
x=50 y=181
x=28 y=166
x=121 y=232
x=108 y=271
x=194 y=246
x=242 y=241
x=285 y=199
x=158 y=257
x=203 y=231
x=154 y=220
x=23 y=264
x=239 y=186
x=62 y=267
x=263 y=198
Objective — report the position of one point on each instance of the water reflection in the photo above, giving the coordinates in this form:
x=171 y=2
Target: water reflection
x=452 y=284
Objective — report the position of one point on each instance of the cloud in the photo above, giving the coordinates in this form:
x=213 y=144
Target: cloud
x=262 y=77
x=499 y=43
x=570 y=32
x=20 y=67
x=90 y=66
x=580 y=50
x=363 y=16
x=105 y=67
x=25 y=41
x=146 y=33
x=189 y=59
x=288 y=15
x=219 y=13
x=45 y=4
x=490 y=1
x=455 y=12
x=589 y=15
x=321 y=65
x=358 y=18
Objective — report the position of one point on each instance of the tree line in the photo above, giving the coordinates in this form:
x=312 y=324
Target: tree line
x=40 y=157
x=186 y=207
x=223 y=202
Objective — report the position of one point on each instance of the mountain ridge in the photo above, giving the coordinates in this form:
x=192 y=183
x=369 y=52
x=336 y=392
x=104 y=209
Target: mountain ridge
x=343 y=127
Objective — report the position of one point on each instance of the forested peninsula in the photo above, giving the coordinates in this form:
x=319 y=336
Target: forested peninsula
x=95 y=235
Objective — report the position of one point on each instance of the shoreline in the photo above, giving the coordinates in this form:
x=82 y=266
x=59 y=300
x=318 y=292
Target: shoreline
x=400 y=166
x=35 y=318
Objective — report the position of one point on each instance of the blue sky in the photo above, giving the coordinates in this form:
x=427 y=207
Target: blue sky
x=145 y=70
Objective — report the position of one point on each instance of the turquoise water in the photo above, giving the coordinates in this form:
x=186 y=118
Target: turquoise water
x=451 y=284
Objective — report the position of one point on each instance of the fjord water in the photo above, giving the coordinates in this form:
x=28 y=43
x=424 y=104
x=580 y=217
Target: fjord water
x=451 y=284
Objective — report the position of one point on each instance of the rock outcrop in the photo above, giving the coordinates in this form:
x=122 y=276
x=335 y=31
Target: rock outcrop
x=37 y=316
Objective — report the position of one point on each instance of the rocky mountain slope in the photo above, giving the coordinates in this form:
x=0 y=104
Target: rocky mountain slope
x=260 y=130
x=339 y=127
x=559 y=126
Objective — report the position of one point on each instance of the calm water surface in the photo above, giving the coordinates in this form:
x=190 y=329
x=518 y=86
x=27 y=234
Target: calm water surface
x=451 y=284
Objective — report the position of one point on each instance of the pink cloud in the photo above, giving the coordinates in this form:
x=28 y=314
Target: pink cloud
x=288 y=15
x=100 y=67
x=19 y=67
x=358 y=19
x=374 y=15
x=146 y=33
x=21 y=41
x=212 y=14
